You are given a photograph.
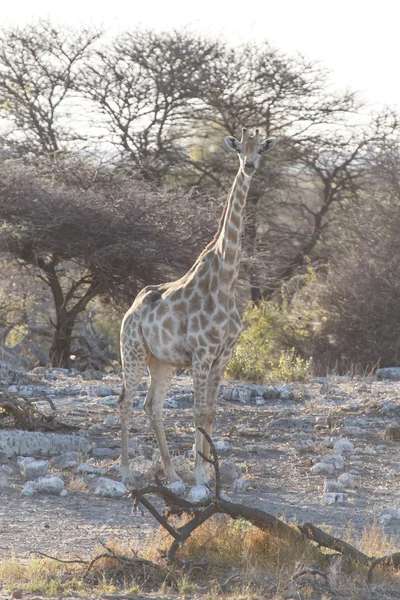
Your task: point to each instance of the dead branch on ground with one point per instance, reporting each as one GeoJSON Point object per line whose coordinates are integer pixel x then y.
{"type": "Point", "coordinates": [202, 511]}
{"type": "Point", "coordinates": [25, 413]}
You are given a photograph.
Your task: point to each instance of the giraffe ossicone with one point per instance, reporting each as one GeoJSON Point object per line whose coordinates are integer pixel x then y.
{"type": "Point", "coordinates": [190, 322]}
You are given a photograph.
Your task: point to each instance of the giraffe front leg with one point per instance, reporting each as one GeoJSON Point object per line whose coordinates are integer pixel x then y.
{"type": "Point", "coordinates": [201, 371]}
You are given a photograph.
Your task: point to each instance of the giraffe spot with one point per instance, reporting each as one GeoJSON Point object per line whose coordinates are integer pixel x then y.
{"type": "Point", "coordinates": [233, 235]}
{"type": "Point", "coordinates": [165, 337]}
{"type": "Point", "coordinates": [209, 305]}
{"type": "Point", "coordinates": [201, 341]}
{"type": "Point", "coordinates": [146, 330]}
{"type": "Point", "coordinates": [235, 220]}
{"type": "Point", "coordinates": [214, 284]}
{"type": "Point", "coordinates": [223, 297]}
{"type": "Point", "coordinates": [204, 284]}
{"type": "Point", "coordinates": [192, 340]}
{"type": "Point", "coordinates": [195, 303]}
{"type": "Point", "coordinates": [162, 310]}
{"type": "Point", "coordinates": [204, 320]}
{"type": "Point", "coordinates": [230, 255]}
{"type": "Point", "coordinates": [188, 291]}
{"type": "Point", "coordinates": [150, 318]}
{"type": "Point", "coordinates": [214, 334]}
{"type": "Point", "coordinates": [194, 324]}
{"type": "Point", "coordinates": [240, 196]}
{"type": "Point", "coordinates": [215, 262]}
{"type": "Point", "coordinates": [156, 336]}
{"type": "Point", "coordinates": [180, 307]}
{"type": "Point", "coordinates": [220, 317]}
{"type": "Point", "coordinates": [168, 324]}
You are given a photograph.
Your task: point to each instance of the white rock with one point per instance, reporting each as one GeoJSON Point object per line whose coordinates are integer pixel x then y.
{"type": "Point", "coordinates": [31, 468]}
{"type": "Point", "coordinates": [392, 373]}
{"type": "Point", "coordinates": [334, 459]}
{"type": "Point", "coordinates": [108, 488]}
{"type": "Point", "coordinates": [101, 391]}
{"type": "Point", "coordinates": [66, 460]}
{"type": "Point", "coordinates": [177, 487]}
{"type": "Point", "coordinates": [369, 450]}
{"type": "Point", "coordinates": [7, 469]}
{"type": "Point", "coordinates": [240, 485]}
{"type": "Point", "coordinates": [222, 446]}
{"type": "Point", "coordinates": [199, 493]}
{"type": "Point", "coordinates": [334, 498]}
{"type": "Point", "coordinates": [28, 489]}
{"type": "Point", "coordinates": [304, 445]}
{"type": "Point", "coordinates": [385, 519]}
{"type": "Point", "coordinates": [333, 486]}
{"type": "Point", "coordinates": [229, 471]}
{"type": "Point", "coordinates": [343, 445]}
{"type": "Point", "coordinates": [49, 485]}
{"type": "Point", "coordinates": [322, 469]}
{"type": "Point", "coordinates": [255, 448]}
{"type": "Point", "coordinates": [35, 443]}
{"type": "Point", "coordinates": [260, 401]}
{"type": "Point", "coordinates": [347, 479]}
{"type": "Point", "coordinates": [110, 400]}
{"type": "Point", "coordinates": [90, 469]}
{"type": "Point", "coordinates": [63, 493]}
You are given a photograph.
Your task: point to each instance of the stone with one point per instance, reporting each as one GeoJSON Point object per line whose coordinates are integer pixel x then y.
{"type": "Point", "coordinates": [97, 429]}
{"type": "Point", "coordinates": [66, 460]}
{"type": "Point", "coordinates": [146, 450]}
{"type": "Point", "coordinates": [369, 450]}
{"type": "Point", "coordinates": [334, 459]}
{"type": "Point", "coordinates": [392, 373]}
{"type": "Point", "coordinates": [63, 493]}
{"type": "Point", "coordinates": [28, 489]}
{"type": "Point", "coordinates": [334, 498]}
{"type": "Point", "coordinates": [31, 468]}
{"type": "Point", "coordinates": [101, 391]}
{"type": "Point", "coordinates": [333, 486]}
{"type": "Point", "coordinates": [90, 469]}
{"type": "Point", "coordinates": [240, 485]}
{"type": "Point", "coordinates": [199, 493]}
{"type": "Point", "coordinates": [111, 421]}
{"type": "Point", "coordinates": [51, 484]}
{"type": "Point", "coordinates": [229, 471]}
{"type": "Point", "coordinates": [242, 395]}
{"type": "Point", "coordinates": [260, 401]}
{"type": "Point", "coordinates": [17, 594]}
{"type": "Point", "coordinates": [322, 469]}
{"type": "Point", "coordinates": [347, 479]}
{"type": "Point", "coordinates": [177, 487]}
{"type": "Point", "coordinates": [222, 446]}
{"type": "Point", "coordinates": [110, 401]}
{"type": "Point", "coordinates": [343, 445]}
{"type": "Point", "coordinates": [35, 443]}
{"type": "Point", "coordinates": [385, 519]}
{"type": "Point", "coordinates": [352, 430]}
{"type": "Point", "coordinates": [92, 375]}
{"type": "Point", "coordinates": [393, 432]}
{"type": "Point", "coordinates": [171, 403]}
{"type": "Point", "coordinates": [109, 488]}
{"type": "Point", "coordinates": [105, 452]}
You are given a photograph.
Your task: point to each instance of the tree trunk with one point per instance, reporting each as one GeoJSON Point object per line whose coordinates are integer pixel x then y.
{"type": "Point", "coordinates": [61, 347]}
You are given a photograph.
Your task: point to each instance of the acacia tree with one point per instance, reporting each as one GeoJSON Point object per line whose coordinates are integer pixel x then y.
{"type": "Point", "coordinates": [147, 85]}
{"type": "Point", "coordinates": [39, 66]}
{"type": "Point", "coordinates": [83, 244]}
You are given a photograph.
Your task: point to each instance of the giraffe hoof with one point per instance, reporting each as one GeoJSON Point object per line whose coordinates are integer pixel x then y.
{"type": "Point", "coordinates": [199, 493]}
{"type": "Point", "coordinates": [177, 487]}
{"type": "Point", "coordinates": [126, 475]}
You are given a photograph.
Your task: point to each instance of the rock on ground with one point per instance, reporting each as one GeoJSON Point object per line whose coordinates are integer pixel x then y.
{"type": "Point", "coordinates": [109, 488]}
{"type": "Point", "coordinates": [31, 468]}
{"type": "Point", "coordinates": [14, 442]}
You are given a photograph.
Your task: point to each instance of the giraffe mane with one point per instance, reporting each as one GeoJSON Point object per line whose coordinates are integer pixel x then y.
{"type": "Point", "coordinates": [220, 225]}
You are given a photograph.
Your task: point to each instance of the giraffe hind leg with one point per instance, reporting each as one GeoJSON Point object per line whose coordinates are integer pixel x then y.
{"type": "Point", "coordinates": [160, 374]}
{"type": "Point", "coordinates": [133, 367]}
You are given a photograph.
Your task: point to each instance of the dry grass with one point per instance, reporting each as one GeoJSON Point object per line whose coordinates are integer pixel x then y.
{"type": "Point", "coordinates": [78, 484]}
{"type": "Point", "coordinates": [224, 559]}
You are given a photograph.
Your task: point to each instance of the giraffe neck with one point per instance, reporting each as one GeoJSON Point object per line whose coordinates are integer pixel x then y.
{"type": "Point", "coordinates": [229, 242]}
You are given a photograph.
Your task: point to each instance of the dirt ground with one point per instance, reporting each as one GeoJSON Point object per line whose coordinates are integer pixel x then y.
{"type": "Point", "coordinates": [281, 481]}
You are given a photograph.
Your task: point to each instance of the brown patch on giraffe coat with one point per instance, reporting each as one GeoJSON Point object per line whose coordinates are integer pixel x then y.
{"type": "Point", "coordinates": [182, 328]}
{"type": "Point", "coordinates": [150, 318]}
{"type": "Point", "coordinates": [195, 303]}
{"type": "Point", "coordinates": [209, 305]}
{"type": "Point", "coordinates": [188, 291]}
{"type": "Point", "coordinates": [214, 284]}
{"type": "Point", "coordinates": [162, 310]}
{"type": "Point", "coordinates": [168, 324]}
{"type": "Point", "coordinates": [220, 317]}
{"type": "Point", "coordinates": [215, 262]}
{"type": "Point", "coordinates": [204, 320]}
{"type": "Point", "coordinates": [165, 337]}
{"type": "Point", "coordinates": [235, 220]}
{"type": "Point", "coordinates": [201, 341]}
{"type": "Point", "coordinates": [241, 196]}
{"type": "Point", "coordinates": [194, 323]}
{"type": "Point", "coordinates": [192, 340]}
{"type": "Point", "coordinates": [180, 307]}
{"type": "Point", "coordinates": [230, 256]}
{"type": "Point", "coordinates": [223, 297]}
{"type": "Point", "coordinates": [233, 235]}
{"type": "Point", "coordinates": [213, 334]}
{"type": "Point", "coordinates": [204, 284]}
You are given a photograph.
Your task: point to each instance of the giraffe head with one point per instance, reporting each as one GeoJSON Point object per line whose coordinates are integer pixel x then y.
{"type": "Point", "coordinates": [249, 150]}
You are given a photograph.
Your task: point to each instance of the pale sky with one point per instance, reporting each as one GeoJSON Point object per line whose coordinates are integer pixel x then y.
{"type": "Point", "coordinates": [357, 40]}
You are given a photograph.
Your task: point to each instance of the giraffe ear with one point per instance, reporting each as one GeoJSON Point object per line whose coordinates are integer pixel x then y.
{"type": "Point", "coordinates": [268, 145]}
{"type": "Point", "coordinates": [231, 142]}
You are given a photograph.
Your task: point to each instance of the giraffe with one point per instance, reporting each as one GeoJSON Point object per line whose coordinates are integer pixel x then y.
{"type": "Point", "coordinates": [190, 322]}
